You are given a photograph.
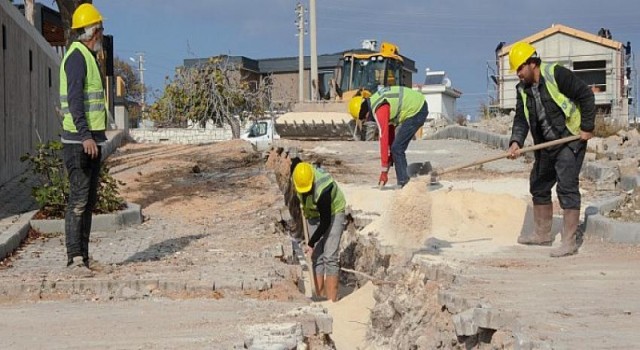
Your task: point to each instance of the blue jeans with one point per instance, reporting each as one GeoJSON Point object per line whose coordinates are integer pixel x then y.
{"type": "Point", "coordinates": [404, 134]}
{"type": "Point", "coordinates": [84, 176]}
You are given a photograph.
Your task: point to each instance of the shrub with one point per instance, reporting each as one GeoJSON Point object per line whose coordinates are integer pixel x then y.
{"type": "Point", "coordinates": [52, 193]}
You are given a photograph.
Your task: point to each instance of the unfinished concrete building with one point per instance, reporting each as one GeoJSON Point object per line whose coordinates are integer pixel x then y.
{"type": "Point", "coordinates": [604, 64]}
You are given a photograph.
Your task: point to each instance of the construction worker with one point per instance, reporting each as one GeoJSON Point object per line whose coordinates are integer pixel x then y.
{"type": "Point", "coordinates": [552, 103]}
{"type": "Point", "coordinates": [323, 206]}
{"type": "Point", "coordinates": [84, 123]}
{"type": "Point", "coordinates": [399, 112]}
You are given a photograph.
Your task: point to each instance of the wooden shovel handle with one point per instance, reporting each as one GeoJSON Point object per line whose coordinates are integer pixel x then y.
{"type": "Point", "coordinates": [505, 155]}
{"type": "Point", "coordinates": [306, 257]}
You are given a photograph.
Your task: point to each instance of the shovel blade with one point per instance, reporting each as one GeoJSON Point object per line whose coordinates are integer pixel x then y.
{"type": "Point", "coordinates": [416, 169]}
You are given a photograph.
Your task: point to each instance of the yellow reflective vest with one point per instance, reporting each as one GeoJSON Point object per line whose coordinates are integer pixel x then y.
{"type": "Point", "coordinates": [569, 108]}
{"type": "Point", "coordinates": [322, 180]}
{"type": "Point", "coordinates": [94, 101]}
{"type": "Point", "coordinates": [404, 102]}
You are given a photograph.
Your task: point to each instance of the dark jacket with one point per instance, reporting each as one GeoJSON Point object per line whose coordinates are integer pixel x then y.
{"type": "Point", "coordinates": [569, 85]}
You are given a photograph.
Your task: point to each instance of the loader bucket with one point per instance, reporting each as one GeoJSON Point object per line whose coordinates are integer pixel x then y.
{"type": "Point", "coordinates": [316, 131]}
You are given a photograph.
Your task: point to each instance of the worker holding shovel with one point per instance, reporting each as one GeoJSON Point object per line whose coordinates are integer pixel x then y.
{"type": "Point", "coordinates": [323, 206]}
{"type": "Point", "coordinates": [552, 103]}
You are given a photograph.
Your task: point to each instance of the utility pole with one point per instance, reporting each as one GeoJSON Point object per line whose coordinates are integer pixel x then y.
{"type": "Point", "coordinates": [141, 71]}
{"type": "Point", "coordinates": [300, 23]}
{"type": "Point", "coordinates": [314, 51]}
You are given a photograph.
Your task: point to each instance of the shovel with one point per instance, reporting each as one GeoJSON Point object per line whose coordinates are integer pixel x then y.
{"type": "Point", "coordinates": [314, 290]}
{"type": "Point", "coordinates": [435, 173]}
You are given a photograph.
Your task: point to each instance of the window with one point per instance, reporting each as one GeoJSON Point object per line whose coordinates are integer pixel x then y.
{"type": "Point", "coordinates": [593, 73]}
{"type": "Point", "coordinates": [258, 129]}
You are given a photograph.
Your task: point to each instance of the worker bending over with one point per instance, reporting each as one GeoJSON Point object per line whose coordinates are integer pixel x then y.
{"type": "Point", "coordinates": [323, 206]}
{"type": "Point", "coordinates": [399, 112]}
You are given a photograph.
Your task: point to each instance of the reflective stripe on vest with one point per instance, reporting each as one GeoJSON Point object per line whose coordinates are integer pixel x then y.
{"type": "Point", "coordinates": [94, 97]}
{"type": "Point", "coordinates": [569, 109]}
{"type": "Point", "coordinates": [404, 102]}
{"type": "Point", "coordinates": [322, 180]}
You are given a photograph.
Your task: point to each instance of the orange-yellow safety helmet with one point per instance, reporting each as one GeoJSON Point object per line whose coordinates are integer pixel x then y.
{"type": "Point", "coordinates": [84, 16]}
{"type": "Point", "coordinates": [354, 106]}
{"type": "Point", "coordinates": [519, 54]}
{"type": "Point", "coordinates": [303, 176]}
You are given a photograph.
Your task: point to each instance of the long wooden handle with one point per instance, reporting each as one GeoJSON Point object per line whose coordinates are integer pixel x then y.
{"type": "Point", "coordinates": [505, 155]}
{"type": "Point", "coordinates": [306, 257]}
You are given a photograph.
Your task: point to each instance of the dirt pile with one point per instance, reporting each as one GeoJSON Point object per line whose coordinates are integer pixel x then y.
{"type": "Point", "coordinates": [411, 214]}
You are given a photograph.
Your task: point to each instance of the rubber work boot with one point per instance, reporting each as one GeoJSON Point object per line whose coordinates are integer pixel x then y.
{"type": "Point", "coordinates": [569, 246]}
{"type": "Point", "coordinates": [96, 266]}
{"type": "Point", "coordinates": [331, 287]}
{"type": "Point", "coordinates": [542, 219]}
{"type": "Point", "coordinates": [77, 268]}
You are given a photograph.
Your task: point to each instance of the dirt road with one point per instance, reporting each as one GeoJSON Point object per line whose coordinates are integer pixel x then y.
{"type": "Point", "coordinates": [207, 263]}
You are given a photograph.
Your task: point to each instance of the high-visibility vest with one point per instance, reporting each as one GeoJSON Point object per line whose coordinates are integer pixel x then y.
{"type": "Point", "coordinates": [569, 108]}
{"type": "Point", "coordinates": [94, 102]}
{"type": "Point", "coordinates": [322, 180]}
{"type": "Point", "coordinates": [404, 102]}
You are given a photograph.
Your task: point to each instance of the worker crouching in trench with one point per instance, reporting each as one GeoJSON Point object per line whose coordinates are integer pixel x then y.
{"type": "Point", "coordinates": [323, 207]}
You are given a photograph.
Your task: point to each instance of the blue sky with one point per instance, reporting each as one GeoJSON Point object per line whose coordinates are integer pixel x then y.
{"type": "Point", "coordinates": [456, 36]}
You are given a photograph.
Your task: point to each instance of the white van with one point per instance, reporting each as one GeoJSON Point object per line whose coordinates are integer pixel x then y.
{"type": "Point", "coordinates": [261, 134]}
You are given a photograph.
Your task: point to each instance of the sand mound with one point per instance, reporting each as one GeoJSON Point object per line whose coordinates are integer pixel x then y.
{"type": "Point", "coordinates": [351, 317]}
{"type": "Point", "coordinates": [460, 220]}
{"type": "Point", "coordinates": [405, 220]}
{"type": "Point", "coordinates": [470, 216]}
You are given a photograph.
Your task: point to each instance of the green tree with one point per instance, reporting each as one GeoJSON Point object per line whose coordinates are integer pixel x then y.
{"type": "Point", "coordinates": [217, 91]}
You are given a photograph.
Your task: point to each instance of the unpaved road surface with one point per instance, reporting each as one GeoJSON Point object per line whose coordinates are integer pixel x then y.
{"type": "Point", "coordinates": [206, 263]}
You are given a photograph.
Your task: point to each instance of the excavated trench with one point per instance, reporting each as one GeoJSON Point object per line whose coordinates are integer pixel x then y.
{"type": "Point", "coordinates": [399, 249]}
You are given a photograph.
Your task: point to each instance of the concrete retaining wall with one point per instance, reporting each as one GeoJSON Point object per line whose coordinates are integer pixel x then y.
{"type": "Point", "coordinates": [466, 133]}
{"type": "Point", "coordinates": [29, 91]}
{"type": "Point", "coordinates": [181, 136]}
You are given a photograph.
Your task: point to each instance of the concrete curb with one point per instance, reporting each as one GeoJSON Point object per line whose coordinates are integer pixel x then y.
{"type": "Point", "coordinates": [126, 288]}
{"type": "Point", "coordinates": [609, 230]}
{"type": "Point", "coordinates": [132, 215]}
{"type": "Point", "coordinates": [467, 133]}
{"type": "Point", "coordinates": [11, 238]}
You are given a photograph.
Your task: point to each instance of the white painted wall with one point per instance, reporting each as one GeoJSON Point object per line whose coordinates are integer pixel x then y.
{"type": "Point", "coordinates": [441, 103]}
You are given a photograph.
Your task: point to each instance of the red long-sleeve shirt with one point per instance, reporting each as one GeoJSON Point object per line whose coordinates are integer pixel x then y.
{"type": "Point", "coordinates": [387, 134]}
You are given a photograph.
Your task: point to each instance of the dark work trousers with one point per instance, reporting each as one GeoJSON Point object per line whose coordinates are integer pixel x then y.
{"type": "Point", "coordinates": [404, 134]}
{"type": "Point", "coordinates": [84, 175]}
{"type": "Point", "coordinates": [559, 165]}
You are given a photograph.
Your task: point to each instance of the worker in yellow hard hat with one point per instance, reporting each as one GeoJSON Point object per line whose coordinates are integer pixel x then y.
{"type": "Point", "coordinates": [399, 112]}
{"type": "Point", "coordinates": [323, 206]}
{"type": "Point", "coordinates": [82, 100]}
{"type": "Point", "coordinates": [552, 103]}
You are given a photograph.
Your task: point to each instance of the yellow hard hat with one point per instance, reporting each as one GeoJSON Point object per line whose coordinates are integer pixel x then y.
{"type": "Point", "coordinates": [303, 177]}
{"type": "Point", "coordinates": [84, 16]}
{"type": "Point", "coordinates": [354, 106]}
{"type": "Point", "coordinates": [519, 54]}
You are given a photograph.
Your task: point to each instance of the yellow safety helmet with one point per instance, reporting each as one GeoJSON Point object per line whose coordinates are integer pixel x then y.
{"type": "Point", "coordinates": [519, 54]}
{"type": "Point", "coordinates": [303, 177]}
{"type": "Point", "coordinates": [354, 106]}
{"type": "Point", "coordinates": [84, 16]}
